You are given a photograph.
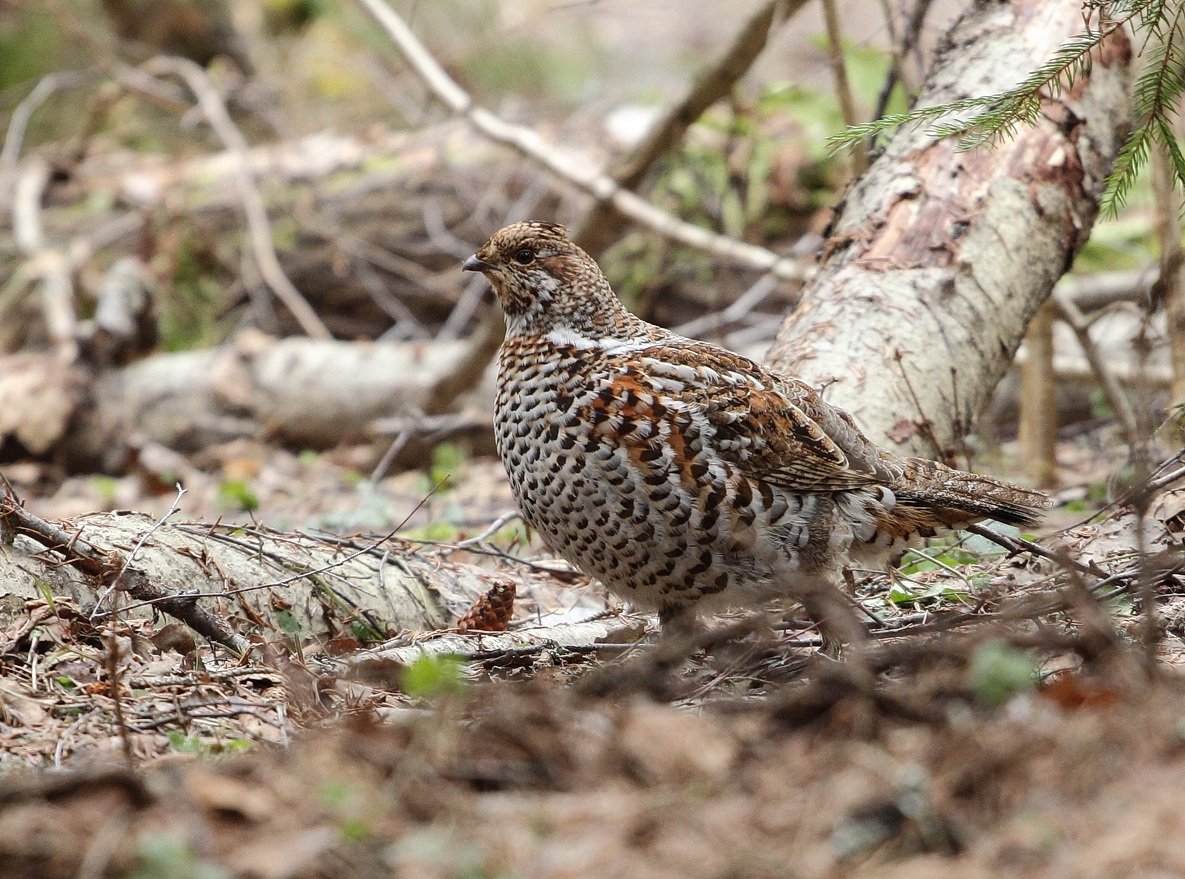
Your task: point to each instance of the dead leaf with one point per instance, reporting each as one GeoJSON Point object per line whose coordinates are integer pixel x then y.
{"type": "Point", "coordinates": [38, 397]}
{"type": "Point", "coordinates": [230, 796]}
{"type": "Point", "coordinates": [278, 857]}
{"type": "Point", "coordinates": [902, 430]}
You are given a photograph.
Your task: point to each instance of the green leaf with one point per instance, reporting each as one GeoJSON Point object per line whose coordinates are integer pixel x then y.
{"type": "Point", "coordinates": [238, 494]}
{"type": "Point", "coordinates": [999, 671]}
{"type": "Point", "coordinates": [288, 622]}
{"type": "Point", "coordinates": [431, 676]}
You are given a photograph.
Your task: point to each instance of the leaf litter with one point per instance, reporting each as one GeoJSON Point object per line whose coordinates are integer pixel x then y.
{"type": "Point", "coordinates": [1006, 723]}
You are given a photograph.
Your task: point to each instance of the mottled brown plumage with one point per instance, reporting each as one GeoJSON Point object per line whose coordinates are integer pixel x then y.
{"type": "Point", "coordinates": [686, 477]}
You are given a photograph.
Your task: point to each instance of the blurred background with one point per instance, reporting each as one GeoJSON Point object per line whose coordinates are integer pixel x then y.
{"type": "Point", "coordinates": [147, 286]}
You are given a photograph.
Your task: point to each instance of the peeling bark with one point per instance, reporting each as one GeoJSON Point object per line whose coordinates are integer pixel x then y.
{"type": "Point", "coordinates": [937, 258]}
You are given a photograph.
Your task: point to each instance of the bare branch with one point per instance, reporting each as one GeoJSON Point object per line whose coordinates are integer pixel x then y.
{"type": "Point", "coordinates": [175, 508]}
{"type": "Point", "coordinates": [262, 246]}
{"type": "Point", "coordinates": [601, 186]}
{"type": "Point", "coordinates": [603, 224]}
{"type": "Point", "coordinates": [843, 88]}
{"type": "Point", "coordinates": [46, 263]}
{"type": "Point", "coordinates": [1076, 320]}
{"type": "Point", "coordinates": [15, 135]}
{"type": "Point", "coordinates": [1094, 291]}
{"type": "Point", "coordinates": [105, 567]}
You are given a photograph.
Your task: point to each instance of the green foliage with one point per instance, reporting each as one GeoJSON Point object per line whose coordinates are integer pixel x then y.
{"type": "Point", "coordinates": [944, 554]}
{"type": "Point", "coordinates": [364, 632]}
{"type": "Point", "coordinates": [433, 851]}
{"type": "Point", "coordinates": [635, 263]}
{"type": "Point", "coordinates": [284, 15]}
{"type": "Point", "coordinates": [448, 460]}
{"type": "Point", "coordinates": [729, 174]}
{"type": "Point", "coordinates": [237, 494]}
{"type": "Point", "coordinates": [436, 532]}
{"type": "Point", "coordinates": [288, 623]}
{"type": "Point", "coordinates": [515, 534]}
{"type": "Point", "coordinates": [1126, 242]}
{"type": "Point", "coordinates": [1176, 415]}
{"type": "Point", "coordinates": [431, 676]}
{"type": "Point", "coordinates": [26, 48]}
{"type": "Point", "coordinates": [341, 798]}
{"type": "Point", "coordinates": [999, 671]}
{"type": "Point", "coordinates": [952, 556]}
{"type": "Point", "coordinates": [105, 487]}
{"type": "Point", "coordinates": [285, 233]}
{"type": "Point", "coordinates": [939, 593]}
{"type": "Point", "coordinates": [983, 121]}
{"type": "Point", "coordinates": [189, 313]}
{"type": "Point", "coordinates": [46, 592]}
{"type": "Point", "coordinates": [337, 794]}
{"type": "Point", "coordinates": [522, 64]}
{"type": "Point", "coordinates": [1157, 93]}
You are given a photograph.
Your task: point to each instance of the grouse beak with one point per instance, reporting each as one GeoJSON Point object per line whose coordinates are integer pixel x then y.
{"type": "Point", "coordinates": [473, 264]}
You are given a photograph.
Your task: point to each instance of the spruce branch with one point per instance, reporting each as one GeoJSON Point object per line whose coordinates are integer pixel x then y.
{"type": "Point", "coordinates": [986, 120]}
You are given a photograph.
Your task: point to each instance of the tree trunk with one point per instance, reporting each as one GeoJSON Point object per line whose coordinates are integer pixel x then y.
{"type": "Point", "coordinates": [938, 259]}
{"type": "Point", "coordinates": [1038, 402]}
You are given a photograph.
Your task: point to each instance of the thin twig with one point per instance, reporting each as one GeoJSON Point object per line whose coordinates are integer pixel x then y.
{"type": "Point", "coordinates": [603, 225]}
{"type": "Point", "coordinates": [114, 682]}
{"type": "Point", "coordinates": [1097, 290]}
{"type": "Point", "coordinates": [262, 241]}
{"type": "Point", "coordinates": [1016, 545]}
{"type": "Point", "coordinates": [901, 51]}
{"type": "Point", "coordinates": [1076, 320]}
{"type": "Point", "coordinates": [923, 423]}
{"type": "Point", "coordinates": [115, 583]}
{"type": "Point", "coordinates": [309, 572]}
{"type": "Point", "coordinates": [843, 88]}
{"type": "Point", "coordinates": [1166, 479]}
{"type": "Point", "coordinates": [745, 303]}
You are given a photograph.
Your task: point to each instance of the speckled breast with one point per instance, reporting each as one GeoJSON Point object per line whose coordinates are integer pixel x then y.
{"type": "Point", "coordinates": [625, 489]}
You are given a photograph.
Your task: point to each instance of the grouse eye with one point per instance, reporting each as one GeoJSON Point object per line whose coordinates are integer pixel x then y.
{"type": "Point", "coordinates": [525, 257]}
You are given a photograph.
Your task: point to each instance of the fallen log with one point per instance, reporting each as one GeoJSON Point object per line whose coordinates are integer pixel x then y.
{"type": "Point", "coordinates": [229, 582]}
{"type": "Point", "coordinates": [300, 392]}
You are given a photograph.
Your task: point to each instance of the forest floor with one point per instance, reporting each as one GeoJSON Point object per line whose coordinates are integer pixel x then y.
{"type": "Point", "coordinates": [1024, 742]}
{"type": "Point", "coordinates": [1038, 745]}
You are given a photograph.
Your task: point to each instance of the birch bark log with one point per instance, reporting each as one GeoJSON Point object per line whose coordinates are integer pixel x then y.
{"type": "Point", "coordinates": [937, 259]}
